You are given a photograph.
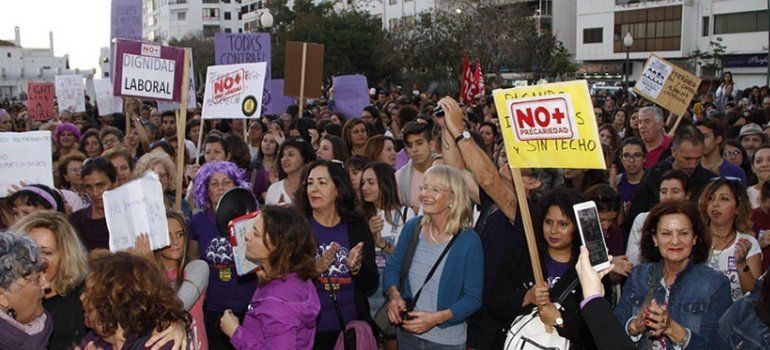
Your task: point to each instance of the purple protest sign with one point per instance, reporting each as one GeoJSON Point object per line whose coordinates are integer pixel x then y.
{"type": "Point", "coordinates": [277, 101]}
{"type": "Point", "coordinates": [236, 48]}
{"type": "Point", "coordinates": [126, 19]}
{"type": "Point", "coordinates": [351, 95]}
{"type": "Point", "coordinates": [148, 70]}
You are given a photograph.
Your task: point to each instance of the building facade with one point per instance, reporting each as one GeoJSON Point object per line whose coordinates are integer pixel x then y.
{"type": "Point", "coordinates": [675, 30]}
{"type": "Point", "coordinates": [175, 19]}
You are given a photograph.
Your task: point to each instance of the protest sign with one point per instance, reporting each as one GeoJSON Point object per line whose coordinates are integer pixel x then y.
{"type": "Point", "coordinates": [70, 93]}
{"type": "Point", "coordinates": [126, 19]}
{"type": "Point", "coordinates": [667, 85]}
{"type": "Point", "coordinates": [191, 97]}
{"type": "Point", "coordinates": [304, 67]}
{"type": "Point", "coordinates": [351, 95]}
{"type": "Point", "coordinates": [239, 228]}
{"type": "Point", "coordinates": [18, 163]}
{"type": "Point", "coordinates": [550, 126]}
{"type": "Point", "coordinates": [105, 101]}
{"type": "Point", "coordinates": [40, 100]}
{"type": "Point", "coordinates": [235, 48]}
{"type": "Point", "coordinates": [278, 102]}
{"type": "Point", "coordinates": [234, 91]}
{"type": "Point", "coordinates": [148, 70]}
{"type": "Point", "coordinates": [134, 208]}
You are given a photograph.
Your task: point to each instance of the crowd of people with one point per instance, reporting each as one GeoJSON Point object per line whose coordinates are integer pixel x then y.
{"type": "Point", "coordinates": [398, 228]}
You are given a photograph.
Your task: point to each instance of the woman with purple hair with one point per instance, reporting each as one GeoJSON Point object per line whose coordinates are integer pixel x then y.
{"type": "Point", "coordinates": [66, 136]}
{"type": "Point", "coordinates": [226, 290]}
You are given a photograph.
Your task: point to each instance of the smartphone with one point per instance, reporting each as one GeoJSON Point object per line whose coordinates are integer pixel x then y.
{"type": "Point", "coordinates": [590, 228]}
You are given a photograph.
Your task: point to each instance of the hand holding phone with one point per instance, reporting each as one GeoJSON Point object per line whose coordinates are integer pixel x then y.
{"type": "Point", "coordinates": [591, 234]}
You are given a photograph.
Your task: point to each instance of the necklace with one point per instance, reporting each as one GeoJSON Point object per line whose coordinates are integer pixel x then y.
{"type": "Point", "coordinates": [430, 232]}
{"type": "Point", "coordinates": [714, 261]}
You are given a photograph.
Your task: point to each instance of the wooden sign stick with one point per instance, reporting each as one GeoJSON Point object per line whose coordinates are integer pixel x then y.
{"type": "Point", "coordinates": [529, 231]}
{"type": "Point", "coordinates": [201, 131]}
{"type": "Point", "coordinates": [676, 125]}
{"type": "Point", "coordinates": [180, 130]}
{"type": "Point", "coordinates": [302, 80]}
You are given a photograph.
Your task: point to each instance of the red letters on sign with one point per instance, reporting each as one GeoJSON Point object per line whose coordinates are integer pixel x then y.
{"type": "Point", "coordinates": [543, 119]}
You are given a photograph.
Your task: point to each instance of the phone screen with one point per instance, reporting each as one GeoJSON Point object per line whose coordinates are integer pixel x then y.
{"type": "Point", "coordinates": [591, 229]}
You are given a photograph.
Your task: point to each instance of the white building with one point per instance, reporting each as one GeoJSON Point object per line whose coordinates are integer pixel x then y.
{"type": "Point", "coordinates": [175, 19]}
{"type": "Point", "coordinates": [673, 29]}
{"type": "Point", "coordinates": [20, 65]}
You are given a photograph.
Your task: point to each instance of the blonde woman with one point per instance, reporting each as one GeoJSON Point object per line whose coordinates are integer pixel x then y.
{"type": "Point", "coordinates": [432, 309]}
{"type": "Point", "coordinates": [163, 166]}
{"type": "Point", "coordinates": [67, 266]}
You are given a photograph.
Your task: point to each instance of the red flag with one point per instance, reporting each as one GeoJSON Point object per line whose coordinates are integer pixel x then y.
{"type": "Point", "coordinates": [479, 80]}
{"type": "Point", "coordinates": [467, 81]}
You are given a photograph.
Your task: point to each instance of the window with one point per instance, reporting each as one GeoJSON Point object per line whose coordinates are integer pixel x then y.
{"type": "Point", "coordinates": [240, 30]}
{"type": "Point", "coordinates": [181, 16]}
{"type": "Point", "coordinates": [706, 24]}
{"type": "Point", "coordinates": [392, 2]}
{"type": "Point", "coordinates": [592, 35]}
{"type": "Point", "coordinates": [210, 14]}
{"type": "Point", "coordinates": [210, 1]}
{"type": "Point", "coordinates": [227, 15]}
{"type": "Point", "coordinates": [741, 22]}
{"type": "Point", "coordinates": [653, 29]}
{"type": "Point", "coordinates": [209, 31]}
{"type": "Point", "coordinates": [228, 30]}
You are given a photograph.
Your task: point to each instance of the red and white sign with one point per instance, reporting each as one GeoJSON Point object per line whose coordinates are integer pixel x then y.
{"type": "Point", "coordinates": [150, 50]}
{"type": "Point", "coordinates": [228, 84]}
{"type": "Point", "coordinates": [234, 91]}
{"type": "Point", "coordinates": [545, 118]}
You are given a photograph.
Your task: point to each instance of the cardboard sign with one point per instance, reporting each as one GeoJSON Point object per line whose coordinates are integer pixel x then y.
{"type": "Point", "coordinates": [18, 163]}
{"type": "Point", "coordinates": [40, 104]}
{"type": "Point", "coordinates": [351, 95]}
{"type": "Point", "coordinates": [312, 67]}
{"type": "Point", "coordinates": [234, 91]}
{"type": "Point", "coordinates": [126, 19]}
{"type": "Point", "coordinates": [667, 85]}
{"type": "Point", "coordinates": [148, 70]}
{"type": "Point", "coordinates": [239, 228]}
{"type": "Point", "coordinates": [275, 101]}
{"type": "Point", "coordinates": [550, 126]}
{"type": "Point", "coordinates": [134, 208]}
{"type": "Point", "coordinates": [70, 93]}
{"type": "Point", "coordinates": [105, 101]}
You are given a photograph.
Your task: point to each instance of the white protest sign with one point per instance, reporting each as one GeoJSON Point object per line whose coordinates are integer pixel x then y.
{"type": "Point", "coordinates": [543, 118]}
{"type": "Point", "coordinates": [234, 91]}
{"type": "Point", "coordinates": [105, 101]}
{"type": "Point", "coordinates": [654, 77]}
{"type": "Point", "coordinates": [239, 228]}
{"type": "Point", "coordinates": [70, 93]}
{"type": "Point", "coordinates": [134, 208]}
{"type": "Point", "coordinates": [19, 163]}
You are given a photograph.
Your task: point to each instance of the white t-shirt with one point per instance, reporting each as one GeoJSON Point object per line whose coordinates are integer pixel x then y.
{"type": "Point", "coordinates": [634, 248]}
{"type": "Point", "coordinates": [724, 261]}
{"type": "Point", "coordinates": [274, 193]}
{"type": "Point", "coordinates": [390, 233]}
{"type": "Point", "coordinates": [753, 194]}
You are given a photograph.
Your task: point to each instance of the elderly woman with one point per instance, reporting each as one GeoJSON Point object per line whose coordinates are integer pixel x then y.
{"type": "Point", "coordinates": [285, 307]}
{"type": "Point", "coordinates": [66, 268]}
{"type": "Point", "coordinates": [346, 264]}
{"type": "Point", "coordinates": [70, 181]}
{"type": "Point", "coordinates": [674, 300]}
{"type": "Point", "coordinates": [127, 301]}
{"type": "Point", "coordinates": [90, 144]}
{"type": "Point", "coordinates": [446, 268]}
{"type": "Point", "coordinates": [226, 290]}
{"type": "Point", "coordinates": [162, 165]}
{"type": "Point", "coordinates": [66, 136]}
{"type": "Point", "coordinates": [23, 321]}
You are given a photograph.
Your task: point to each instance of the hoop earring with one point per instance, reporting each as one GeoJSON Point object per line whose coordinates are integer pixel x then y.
{"type": "Point", "coordinates": [12, 313]}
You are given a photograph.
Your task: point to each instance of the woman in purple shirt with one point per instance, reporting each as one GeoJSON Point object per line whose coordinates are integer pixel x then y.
{"type": "Point", "coordinates": [284, 309]}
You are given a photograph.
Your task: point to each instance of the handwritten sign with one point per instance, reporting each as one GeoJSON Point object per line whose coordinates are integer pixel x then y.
{"type": "Point", "coordinates": [148, 70]}
{"type": "Point", "coordinates": [234, 91]}
{"type": "Point", "coordinates": [17, 163]}
{"type": "Point", "coordinates": [126, 19]}
{"type": "Point", "coordinates": [105, 101]}
{"type": "Point", "coordinates": [70, 93]}
{"type": "Point", "coordinates": [40, 104]}
{"type": "Point", "coordinates": [239, 228]}
{"type": "Point", "coordinates": [351, 95]}
{"type": "Point", "coordinates": [667, 85]}
{"type": "Point", "coordinates": [550, 126]}
{"type": "Point", "coordinates": [134, 208]}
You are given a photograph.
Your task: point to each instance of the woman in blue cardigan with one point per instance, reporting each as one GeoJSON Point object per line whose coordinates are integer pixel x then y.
{"type": "Point", "coordinates": [432, 309]}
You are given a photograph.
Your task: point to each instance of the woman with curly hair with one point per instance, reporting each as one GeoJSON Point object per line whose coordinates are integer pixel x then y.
{"type": "Point", "coordinates": [226, 290]}
{"type": "Point", "coordinates": [284, 309]}
{"type": "Point", "coordinates": [127, 301]}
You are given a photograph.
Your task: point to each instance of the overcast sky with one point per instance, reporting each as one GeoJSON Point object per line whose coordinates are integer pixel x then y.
{"type": "Point", "coordinates": [80, 27]}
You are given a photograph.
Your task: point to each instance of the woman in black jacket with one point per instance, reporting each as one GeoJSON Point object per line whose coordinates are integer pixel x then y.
{"type": "Point", "coordinates": [346, 266]}
{"type": "Point", "coordinates": [558, 245]}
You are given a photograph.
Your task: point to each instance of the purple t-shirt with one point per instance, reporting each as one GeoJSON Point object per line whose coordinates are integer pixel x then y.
{"type": "Point", "coordinates": [554, 270]}
{"type": "Point", "coordinates": [627, 192]}
{"type": "Point", "coordinates": [337, 277]}
{"type": "Point", "coordinates": [728, 169]}
{"type": "Point", "coordinates": [93, 232]}
{"type": "Point", "coordinates": [226, 290]}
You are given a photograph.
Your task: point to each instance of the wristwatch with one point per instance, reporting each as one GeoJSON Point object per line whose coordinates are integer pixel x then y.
{"type": "Point", "coordinates": [465, 135]}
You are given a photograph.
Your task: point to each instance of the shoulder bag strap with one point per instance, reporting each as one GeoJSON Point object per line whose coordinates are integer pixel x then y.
{"type": "Point", "coordinates": [337, 308]}
{"type": "Point", "coordinates": [407, 263]}
{"type": "Point", "coordinates": [435, 265]}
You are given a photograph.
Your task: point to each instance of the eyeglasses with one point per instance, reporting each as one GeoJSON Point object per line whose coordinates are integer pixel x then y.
{"type": "Point", "coordinates": [727, 178]}
{"type": "Point", "coordinates": [632, 156]}
{"type": "Point", "coordinates": [731, 154]}
{"type": "Point", "coordinates": [435, 190]}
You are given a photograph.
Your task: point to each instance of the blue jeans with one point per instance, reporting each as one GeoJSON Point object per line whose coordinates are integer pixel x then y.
{"type": "Point", "coordinates": [409, 341]}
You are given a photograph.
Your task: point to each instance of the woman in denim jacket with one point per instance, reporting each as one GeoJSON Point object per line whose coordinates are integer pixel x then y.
{"type": "Point", "coordinates": [746, 324]}
{"type": "Point", "coordinates": [673, 300]}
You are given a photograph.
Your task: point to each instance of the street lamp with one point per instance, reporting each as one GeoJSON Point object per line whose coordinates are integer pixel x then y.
{"type": "Point", "coordinates": [628, 40]}
{"type": "Point", "coordinates": [266, 19]}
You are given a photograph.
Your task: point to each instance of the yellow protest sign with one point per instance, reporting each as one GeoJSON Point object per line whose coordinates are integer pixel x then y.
{"type": "Point", "coordinates": [550, 126]}
{"type": "Point", "coordinates": [667, 85]}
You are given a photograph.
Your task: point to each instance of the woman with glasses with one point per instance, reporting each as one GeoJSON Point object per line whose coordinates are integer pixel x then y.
{"type": "Point", "coordinates": [346, 266]}
{"type": "Point", "coordinates": [444, 281]}
{"type": "Point", "coordinates": [632, 158]}
{"type": "Point", "coordinates": [355, 135]}
{"type": "Point", "coordinates": [734, 252]}
{"type": "Point", "coordinates": [733, 152]}
{"type": "Point", "coordinates": [111, 137]}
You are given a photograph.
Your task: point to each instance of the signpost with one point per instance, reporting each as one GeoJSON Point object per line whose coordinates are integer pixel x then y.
{"type": "Point", "coordinates": [304, 68]}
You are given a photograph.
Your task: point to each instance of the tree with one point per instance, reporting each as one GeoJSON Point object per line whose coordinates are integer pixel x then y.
{"type": "Point", "coordinates": [710, 61]}
{"type": "Point", "coordinates": [202, 56]}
